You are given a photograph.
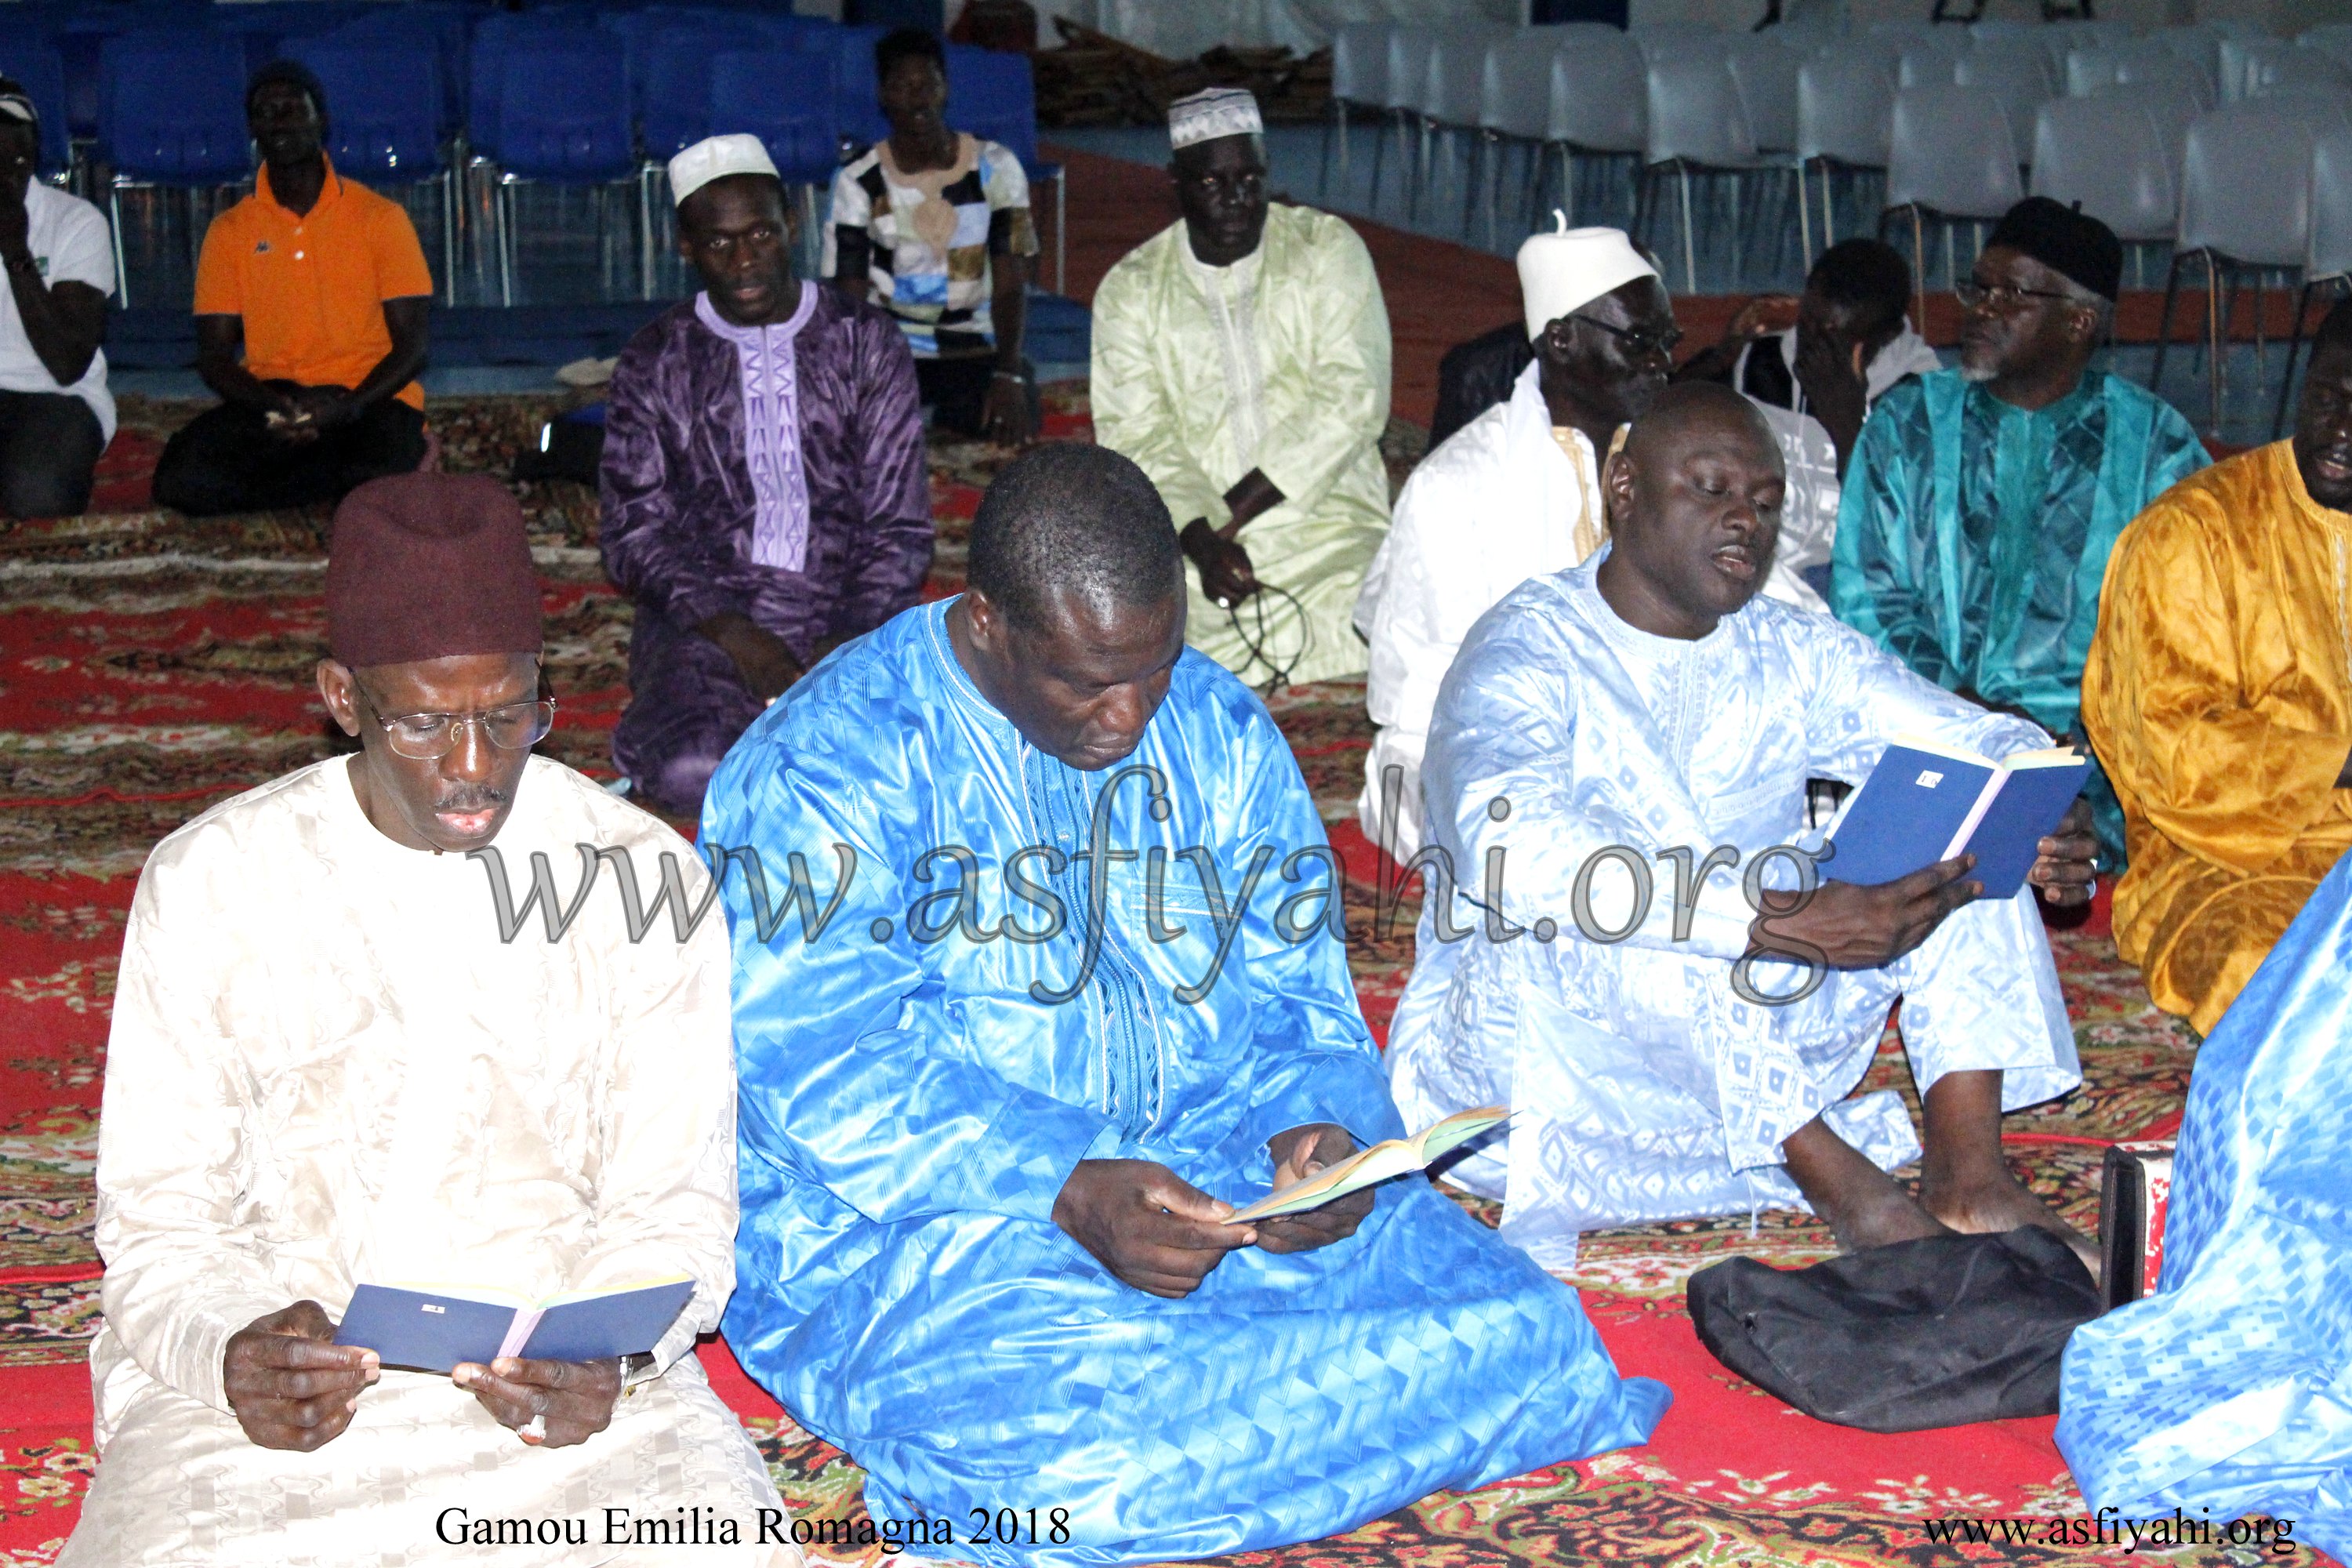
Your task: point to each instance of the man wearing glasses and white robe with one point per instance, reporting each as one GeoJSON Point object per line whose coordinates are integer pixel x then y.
{"type": "Point", "coordinates": [330, 1066]}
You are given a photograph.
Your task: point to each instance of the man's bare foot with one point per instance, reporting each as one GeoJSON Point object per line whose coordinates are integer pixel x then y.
{"type": "Point", "coordinates": [1878, 1219]}
{"type": "Point", "coordinates": [1987, 1203]}
{"type": "Point", "coordinates": [1862, 1205]}
{"type": "Point", "coordinates": [1965, 1183]}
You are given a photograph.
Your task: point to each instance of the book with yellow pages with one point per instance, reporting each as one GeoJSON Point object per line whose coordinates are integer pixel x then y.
{"type": "Point", "coordinates": [1366, 1167]}
{"type": "Point", "coordinates": [433, 1328]}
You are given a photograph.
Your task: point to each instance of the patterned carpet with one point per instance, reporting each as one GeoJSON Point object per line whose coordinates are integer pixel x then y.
{"type": "Point", "coordinates": [150, 666]}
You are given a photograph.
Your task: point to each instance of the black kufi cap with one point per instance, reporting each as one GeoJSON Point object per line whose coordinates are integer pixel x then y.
{"type": "Point", "coordinates": [2066, 240]}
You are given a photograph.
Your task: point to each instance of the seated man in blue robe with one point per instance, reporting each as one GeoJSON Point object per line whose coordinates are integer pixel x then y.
{"type": "Point", "coordinates": [2228, 1391]}
{"type": "Point", "coordinates": [1050, 979]}
{"type": "Point", "coordinates": [1648, 712]}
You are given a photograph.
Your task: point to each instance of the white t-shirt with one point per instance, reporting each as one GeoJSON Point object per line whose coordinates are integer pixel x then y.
{"type": "Point", "coordinates": [71, 241]}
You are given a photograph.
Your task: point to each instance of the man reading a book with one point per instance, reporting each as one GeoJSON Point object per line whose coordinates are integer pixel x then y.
{"type": "Point", "coordinates": [1037, 979]}
{"type": "Point", "coordinates": [1981, 503]}
{"type": "Point", "coordinates": [339, 1059]}
{"type": "Point", "coordinates": [1616, 783]}
{"type": "Point", "coordinates": [2217, 695]}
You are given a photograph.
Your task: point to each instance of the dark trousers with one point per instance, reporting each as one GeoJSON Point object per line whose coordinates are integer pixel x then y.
{"type": "Point", "coordinates": [953, 389]}
{"type": "Point", "coordinates": [227, 460]}
{"type": "Point", "coordinates": [49, 443]}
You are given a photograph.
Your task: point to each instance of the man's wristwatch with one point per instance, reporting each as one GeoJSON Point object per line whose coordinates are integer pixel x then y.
{"type": "Point", "coordinates": [637, 1371]}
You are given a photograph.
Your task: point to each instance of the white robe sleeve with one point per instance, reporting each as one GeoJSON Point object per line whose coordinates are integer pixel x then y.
{"type": "Point", "coordinates": [1860, 697]}
{"type": "Point", "coordinates": [182, 1273]}
{"type": "Point", "coordinates": [1322, 423]}
{"type": "Point", "coordinates": [1134, 414]}
{"type": "Point", "coordinates": [1426, 598]}
{"type": "Point", "coordinates": [664, 1200]}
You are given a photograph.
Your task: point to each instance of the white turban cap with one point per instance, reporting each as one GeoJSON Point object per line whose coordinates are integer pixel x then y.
{"type": "Point", "coordinates": [1211, 113]}
{"type": "Point", "coordinates": [1570, 268]}
{"type": "Point", "coordinates": [715, 158]}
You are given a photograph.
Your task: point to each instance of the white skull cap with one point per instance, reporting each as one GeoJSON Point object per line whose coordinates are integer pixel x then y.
{"type": "Point", "coordinates": [1570, 268]}
{"type": "Point", "coordinates": [1211, 113]}
{"type": "Point", "coordinates": [715, 158]}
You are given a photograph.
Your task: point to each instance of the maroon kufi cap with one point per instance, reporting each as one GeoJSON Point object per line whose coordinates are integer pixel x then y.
{"type": "Point", "coordinates": [428, 566]}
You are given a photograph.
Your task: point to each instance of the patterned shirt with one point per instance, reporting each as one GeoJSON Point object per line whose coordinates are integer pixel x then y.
{"type": "Point", "coordinates": [926, 239]}
{"type": "Point", "coordinates": [1973, 535]}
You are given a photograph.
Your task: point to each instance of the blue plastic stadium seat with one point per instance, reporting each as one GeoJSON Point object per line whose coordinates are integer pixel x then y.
{"type": "Point", "coordinates": [857, 95]}
{"type": "Point", "coordinates": [31, 61]}
{"type": "Point", "coordinates": [564, 112]}
{"type": "Point", "coordinates": [81, 31]}
{"type": "Point", "coordinates": [267, 32]}
{"type": "Point", "coordinates": [671, 70]}
{"type": "Point", "coordinates": [992, 95]}
{"type": "Point", "coordinates": [171, 108]}
{"type": "Point", "coordinates": [384, 106]}
{"type": "Point", "coordinates": [785, 98]}
{"type": "Point", "coordinates": [442, 26]}
{"type": "Point", "coordinates": [530, 35]}
{"type": "Point", "coordinates": [562, 98]}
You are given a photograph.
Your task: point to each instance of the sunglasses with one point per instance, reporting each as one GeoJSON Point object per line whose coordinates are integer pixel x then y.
{"type": "Point", "coordinates": [1640, 342]}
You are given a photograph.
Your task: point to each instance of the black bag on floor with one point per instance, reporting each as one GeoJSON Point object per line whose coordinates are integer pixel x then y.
{"type": "Point", "coordinates": [570, 446]}
{"type": "Point", "coordinates": [1935, 1333]}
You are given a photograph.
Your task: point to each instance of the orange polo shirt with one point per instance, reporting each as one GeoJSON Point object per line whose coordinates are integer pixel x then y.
{"type": "Point", "coordinates": [311, 288]}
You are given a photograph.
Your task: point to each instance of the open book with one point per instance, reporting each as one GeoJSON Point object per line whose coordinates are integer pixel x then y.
{"type": "Point", "coordinates": [432, 1328]}
{"type": "Point", "coordinates": [1391, 1157]}
{"type": "Point", "coordinates": [1926, 802]}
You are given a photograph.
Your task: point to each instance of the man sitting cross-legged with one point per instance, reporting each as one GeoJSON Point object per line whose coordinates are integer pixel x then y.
{"type": "Point", "coordinates": [1649, 706]}
{"type": "Point", "coordinates": [313, 306]}
{"type": "Point", "coordinates": [1078, 990]}
{"type": "Point", "coordinates": [328, 1067]}
{"type": "Point", "coordinates": [764, 490]}
{"type": "Point", "coordinates": [2220, 704]}
{"type": "Point", "coordinates": [1240, 357]}
{"type": "Point", "coordinates": [1981, 503]}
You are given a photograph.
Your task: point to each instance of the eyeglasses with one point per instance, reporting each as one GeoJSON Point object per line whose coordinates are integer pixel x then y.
{"type": "Point", "coordinates": [2001, 297]}
{"type": "Point", "coordinates": [428, 737]}
{"type": "Point", "coordinates": [1640, 343]}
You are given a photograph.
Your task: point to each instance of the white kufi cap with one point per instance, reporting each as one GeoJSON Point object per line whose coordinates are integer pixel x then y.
{"type": "Point", "coordinates": [1570, 268]}
{"type": "Point", "coordinates": [1211, 113]}
{"type": "Point", "coordinates": [715, 158]}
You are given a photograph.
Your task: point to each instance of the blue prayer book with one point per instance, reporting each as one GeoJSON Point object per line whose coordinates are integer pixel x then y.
{"type": "Point", "coordinates": [1924, 803]}
{"type": "Point", "coordinates": [434, 1329]}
